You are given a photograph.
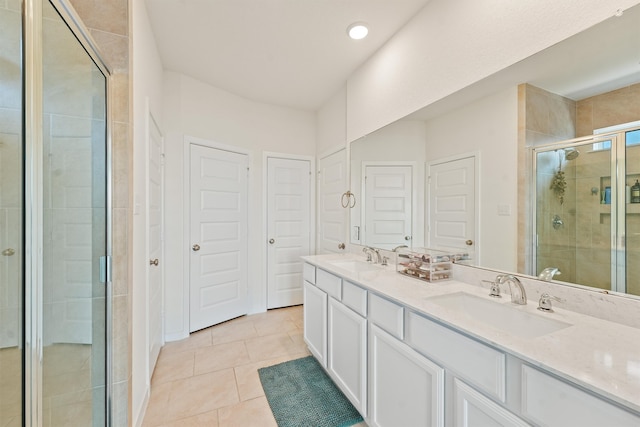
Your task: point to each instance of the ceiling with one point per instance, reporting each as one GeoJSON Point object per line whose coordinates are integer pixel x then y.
{"type": "Point", "coordinates": [292, 53]}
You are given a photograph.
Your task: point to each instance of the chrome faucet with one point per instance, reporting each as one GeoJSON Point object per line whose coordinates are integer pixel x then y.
{"type": "Point", "coordinates": [398, 247]}
{"type": "Point", "coordinates": [548, 273]}
{"type": "Point", "coordinates": [545, 302]}
{"type": "Point", "coordinates": [370, 253]}
{"type": "Point", "coordinates": [519, 297]}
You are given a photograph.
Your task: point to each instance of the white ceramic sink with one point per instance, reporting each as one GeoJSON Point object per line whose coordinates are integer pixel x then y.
{"type": "Point", "coordinates": [355, 266]}
{"type": "Point", "coordinates": [502, 316]}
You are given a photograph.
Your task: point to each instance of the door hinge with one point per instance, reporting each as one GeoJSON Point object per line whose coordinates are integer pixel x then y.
{"type": "Point", "coordinates": [105, 269]}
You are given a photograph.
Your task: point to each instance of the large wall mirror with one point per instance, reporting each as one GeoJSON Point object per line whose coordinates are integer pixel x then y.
{"type": "Point", "coordinates": [462, 171]}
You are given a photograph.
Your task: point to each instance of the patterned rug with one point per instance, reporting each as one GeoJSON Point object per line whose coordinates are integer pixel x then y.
{"type": "Point", "coordinates": [301, 393]}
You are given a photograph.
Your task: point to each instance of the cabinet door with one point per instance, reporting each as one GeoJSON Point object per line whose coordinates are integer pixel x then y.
{"type": "Point", "coordinates": [406, 389]}
{"type": "Point", "coordinates": [548, 401]}
{"type": "Point", "coordinates": [472, 409]}
{"type": "Point", "coordinates": [315, 322]}
{"type": "Point", "coordinates": [347, 357]}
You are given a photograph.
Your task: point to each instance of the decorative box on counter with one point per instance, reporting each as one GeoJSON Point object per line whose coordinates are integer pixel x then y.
{"type": "Point", "coordinates": [426, 264]}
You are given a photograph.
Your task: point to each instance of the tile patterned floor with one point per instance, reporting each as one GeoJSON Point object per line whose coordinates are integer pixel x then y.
{"type": "Point", "coordinates": [211, 378]}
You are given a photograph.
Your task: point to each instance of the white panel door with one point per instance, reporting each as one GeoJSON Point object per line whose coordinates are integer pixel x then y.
{"type": "Point", "coordinates": [452, 206]}
{"type": "Point", "coordinates": [333, 219]}
{"type": "Point", "coordinates": [155, 249]}
{"type": "Point", "coordinates": [218, 228]}
{"type": "Point", "coordinates": [288, 229]}
{"type": "Point", "coordinates": [387, 206]}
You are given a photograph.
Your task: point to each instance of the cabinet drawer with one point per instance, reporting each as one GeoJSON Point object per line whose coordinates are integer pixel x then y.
{"type": "Point", "coordinates": [329, 283]}
{"type": "Point", "coordinates": [387, 315]}
{"type": "Point", "coordinates": [474, 409]}
{"type": "Point", "coordinates": [309, 273]}
{"type": "Point", "coordinates": [549, 401]}
{"type": "Point", "coordinates": [477, 363]}
{"type": "Point", "coordinates": [355, 298]}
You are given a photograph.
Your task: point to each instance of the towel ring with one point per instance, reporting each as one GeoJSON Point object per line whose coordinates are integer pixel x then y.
{"type": "Point", "coordinates": [348, 200]}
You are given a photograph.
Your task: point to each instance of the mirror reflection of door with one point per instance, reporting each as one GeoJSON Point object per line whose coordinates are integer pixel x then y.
{"type": "Point", "coordinates": [452, 206]}
{"type": "Point", "coordinates": [388, 210]}
{"type": "Point", "coordinates": [333, 218]}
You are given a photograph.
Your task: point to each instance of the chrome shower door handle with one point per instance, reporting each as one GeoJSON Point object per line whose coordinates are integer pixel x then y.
{"type": "Point", "coordinates": [196, 247]}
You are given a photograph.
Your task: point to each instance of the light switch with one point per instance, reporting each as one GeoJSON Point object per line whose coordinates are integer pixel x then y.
{"type": "Point", "coordinates": [504, 209]}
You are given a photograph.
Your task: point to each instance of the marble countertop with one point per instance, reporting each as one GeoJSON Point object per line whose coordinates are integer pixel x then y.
{"type": "Point", "coordinates": [599, 355]}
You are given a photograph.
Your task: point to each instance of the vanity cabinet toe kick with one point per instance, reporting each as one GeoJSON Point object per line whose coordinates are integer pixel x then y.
{"type": "Point", "coordinates": [401, 367]}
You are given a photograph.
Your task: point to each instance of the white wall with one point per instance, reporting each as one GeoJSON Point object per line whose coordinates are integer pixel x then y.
{"type": "Point", "coordinates": [195, 109]}
{"type": "Point", "coordinates": [147, 83]}
{"type": "Point", "coordinates": [449, 45]}
{"type": "Point", "coordinates": [332, 124]}
{"type": "Point", "coordinates": [490, 127]}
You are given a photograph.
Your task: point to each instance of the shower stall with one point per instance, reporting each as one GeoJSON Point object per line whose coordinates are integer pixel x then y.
{"type": "Point", "coordinates": [586, 216]}
{"type": "Point", "coordinates": [54, 219]}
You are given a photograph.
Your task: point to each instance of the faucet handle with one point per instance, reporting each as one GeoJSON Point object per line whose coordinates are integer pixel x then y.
{"type": "Point", "coordinates": [545, 302]}
{"type": "Point", "coordinates": [367, 251]}
{"type": "Point", "coordinates": [385, 260]}
{"type": "Point", "coordinates": [494, 291]}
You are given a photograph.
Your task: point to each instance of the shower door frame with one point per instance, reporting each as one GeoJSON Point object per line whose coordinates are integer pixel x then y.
{"type": "Point", "coordinates": [33, 92]}
{"type": "Point", "coordinates": [618, 200]}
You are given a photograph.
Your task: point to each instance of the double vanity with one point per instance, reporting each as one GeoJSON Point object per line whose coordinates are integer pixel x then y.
{"type": "Point", "coordinates": [410, 353]}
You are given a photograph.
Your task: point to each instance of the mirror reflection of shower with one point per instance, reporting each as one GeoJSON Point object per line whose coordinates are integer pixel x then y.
{"type": "Point", "coordinates": [582, 205]}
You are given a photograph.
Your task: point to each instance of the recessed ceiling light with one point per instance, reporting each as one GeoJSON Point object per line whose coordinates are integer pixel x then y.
{"type": "Point", "coordinates": [358, 30]}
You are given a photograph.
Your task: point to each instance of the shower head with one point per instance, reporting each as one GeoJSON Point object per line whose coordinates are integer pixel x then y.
{"type": "Point", "coordinates": [571, 153]}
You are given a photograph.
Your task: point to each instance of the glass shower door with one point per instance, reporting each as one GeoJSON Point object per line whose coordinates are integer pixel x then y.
{"type": "Point", "coordinates": [11, 216]}
{"type": "Point", "coordinates": [632, 212]}
{"type": "Point", "coordinates": [74, 235]}
{"type": "Point", "coordinates": [575, 192]}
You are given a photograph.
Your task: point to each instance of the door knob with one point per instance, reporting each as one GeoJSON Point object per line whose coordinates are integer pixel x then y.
{"type": "Point", "coordinates": [469, 242]}
{"type": "Point", "coordinates": [196, 247]}
{"type": "Point", "coordinates": [271, 241]}
{"type": "Point", "coordinates": [341, 246]}
{"type": "Point", "coordinates": [153, 261]}
{"type": "Point", "coordinates": [8, 252]}
{"type": "Point", "coordinates": [407, 237]}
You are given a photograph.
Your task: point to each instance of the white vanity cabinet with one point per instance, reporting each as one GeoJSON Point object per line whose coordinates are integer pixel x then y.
{"type": "Point", "coordinates": [406, 388]}
{"type": "Point", "coordinates": [335, 330]}
{"type": "Point", "coordinates": [319, 286]}
{"type": "Point", "coordinates": [472, 409]}
{"type": "Point", "coordinates": [315, 321]}
{"type": "Point", "coordinates": [347, 357]}
{"type": "Point", "coordinates": [549, 401]}
{"type": "Point", "coordinates": [392, 361]}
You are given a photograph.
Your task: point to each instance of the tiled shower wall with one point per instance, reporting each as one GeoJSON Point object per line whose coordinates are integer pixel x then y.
{"type": "Point", "coordinates": [543, 118]}
{"type": "Point", "coordinates": [109, 24]}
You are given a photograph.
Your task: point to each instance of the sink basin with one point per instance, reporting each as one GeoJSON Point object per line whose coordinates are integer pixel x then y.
{"type": "Point", "coordinates": [504, 317]}
{"type": "Point", "coordinates": [355, 266]}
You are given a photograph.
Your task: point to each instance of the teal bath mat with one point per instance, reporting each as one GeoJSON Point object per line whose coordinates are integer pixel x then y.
{"type": "Point", "coordinates": [301, 393]}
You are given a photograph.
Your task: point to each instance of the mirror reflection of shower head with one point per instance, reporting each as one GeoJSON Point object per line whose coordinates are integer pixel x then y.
{"type": "Point", "coordinates": [571, 153]}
